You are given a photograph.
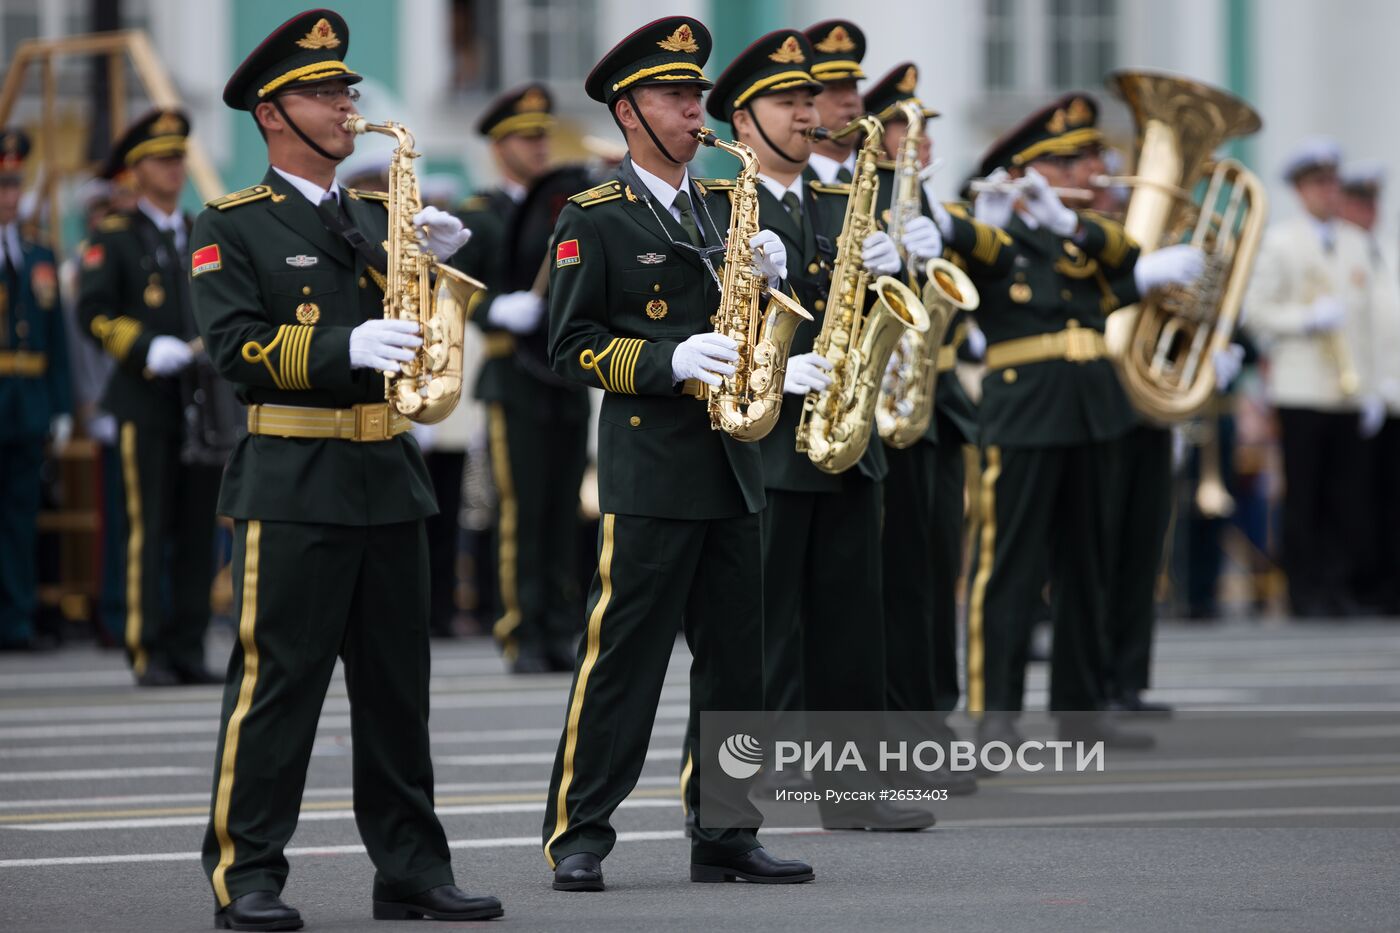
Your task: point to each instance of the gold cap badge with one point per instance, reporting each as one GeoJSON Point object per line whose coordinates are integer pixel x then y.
{"type": "Point", "coordinates": [910, 81]}
{"type": "Point", "coordinates": [321, 36]}
{"type": "Point", "coordinates": [1057, 122]}
{"type": "Point", "coordinates": [838, 40]}
{"type": "Point", "coordinates": [682, 40]}
{"type": "Point", "coordinates": [532, 101]}
{"type": "Point", "coordinates": [1080, 112]}
{"type": "Point", "coordinates": [789, 53]}
{"type": "Point", "coordinates": [167, 124]}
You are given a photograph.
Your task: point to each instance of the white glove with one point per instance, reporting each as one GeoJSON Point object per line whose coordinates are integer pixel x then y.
{"type": "Point", "coordinates": [942, 218]}
{"type": "Point", "coordinates": [879, 255]}
{"type": "Point", "coordinates": [806, 372]}
{"type": "Point", "coordinates": [1227, 363]}
{"type": "Point", "coordinates": [994, 207]}
{"type": "Point", "coordinates": [517, 312]}
{"type": "Point", "coordinates": [1325, 315]}
{"type": "Point", "coordinates": [382, 344]}
{"type": "Point", "coordinates": [921, 240]}
{"type": "Point", "coordinates": [769, 256]}
{"type": "Point", "coordinates": [1372, 416]}
{"type": "Point", "coordinates": [976, 342]}
{"type": "Point", "coordinates": [1170, 265]}
{"type": "Point", "coordinates": [1044, 205]}
{"type": "Point", "coordinates": [445, 233]}
{"type": "Point", "coordinates": [61, 430]}
{"type": "Point", "coordinates": [168, 355]}
{"type": "Point", "coordinates": [705, 357]}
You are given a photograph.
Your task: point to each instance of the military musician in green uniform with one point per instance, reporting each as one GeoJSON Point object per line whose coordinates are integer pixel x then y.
{"type": "Point", "coordinates": [328, 495]}
{"type": "Point", "coordinates": [632, 288]}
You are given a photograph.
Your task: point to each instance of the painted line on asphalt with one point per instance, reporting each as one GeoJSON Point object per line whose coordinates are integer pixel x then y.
{"type": "Point", "coordinates": [99, 774]}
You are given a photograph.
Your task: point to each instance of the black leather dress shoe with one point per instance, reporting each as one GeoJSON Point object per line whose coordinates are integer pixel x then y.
{"type": "Point", "coordinates": [257, 910]}
{"type": "Point", "coordinates": [157, 675]}
{"type": "Point", "coordinates": [1134, 703]}
{"type": "Point", "coordinates": [1100, 728]}
{"type": "Point", "coordinates": [956, 783]}
{"type": "Point", "coordinates": [444, 902]}
{"type": "Point", "coordinates": [756, 866]}
{"type": "Point", "coordinates": [197, 674]}
{"type": "Point", "coordinates": [582, 871]}
{"type": "Point", "coordinates": [878, 817]}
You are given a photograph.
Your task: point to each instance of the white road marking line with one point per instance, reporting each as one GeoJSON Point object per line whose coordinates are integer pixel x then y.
{"type": "Point", "coordinates": [1392, 780]}
{"type": "Point", "coordinates": [100, 774]}
{"type": "Point", "coordinates": [1170, 816]}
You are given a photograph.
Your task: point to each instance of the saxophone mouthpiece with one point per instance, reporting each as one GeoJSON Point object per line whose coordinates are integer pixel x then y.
{"type": "Point", "coordinates": [706, 136]}
{"type": "Point", "coordinates": [817, 132]}
{"type": "Point", "coordinates": [355, 123]}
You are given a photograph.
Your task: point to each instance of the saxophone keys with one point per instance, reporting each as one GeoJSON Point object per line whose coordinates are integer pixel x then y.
{"type": "Point", "coordinates": [437, 356]}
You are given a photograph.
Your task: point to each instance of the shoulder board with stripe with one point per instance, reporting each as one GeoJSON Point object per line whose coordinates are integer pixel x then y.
{"type": "Point", "coordinates": [363, 195]}
{"type": "Point", "coordinates": [957, 209]}
{"type": "Point", "coordinates": [821, 187]}
{"type": "Point", "coordinates": [114, 223]}
{"type": "Point", "coordinates": [608, 191]}
{"type": "Point", "coordinates": [715, 184]}
{"type": "Point", "coordinates": [246, 196]}
{"type": "Point", "coordinates": [477, 202]}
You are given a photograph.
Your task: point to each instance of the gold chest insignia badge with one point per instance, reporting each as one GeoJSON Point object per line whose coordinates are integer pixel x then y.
{"type": "Point", "coordinates": [308, 312]}
{"type": "Point", "coordinates": [154, 294]}
{"type": "Point", "coordinates": [656, 309]}
{"type": "Point", "coordinates": [321, 36]}
{"type": "Point", "coordinates": [789, 53]}
{"type": "Point", "coordinates": [682, 40]}
{"type": "Point", "coordinates": [1020, 293]}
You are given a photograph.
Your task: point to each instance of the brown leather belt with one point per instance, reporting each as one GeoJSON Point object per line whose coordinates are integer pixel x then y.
{"type": "Point", "coordinates": [23, 363]}
{"type": "Point", "coordinates": [1077, 345]}
{"type": "Point", "coordinates": [373, 421]}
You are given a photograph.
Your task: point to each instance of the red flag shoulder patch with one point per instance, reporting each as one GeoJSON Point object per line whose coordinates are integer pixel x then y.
{"type": "Point", "coordinates": [93, 256]}
{"type": "Point", "coordinates": [566, 254]}
{"type": "Point", "coordinates": [205, 259]}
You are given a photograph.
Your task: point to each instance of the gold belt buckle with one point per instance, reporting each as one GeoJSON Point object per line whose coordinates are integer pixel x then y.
{"type": "Point", "coordinates": [372, 422]}
{"type": "Point", "coordinates": [1080, 345]}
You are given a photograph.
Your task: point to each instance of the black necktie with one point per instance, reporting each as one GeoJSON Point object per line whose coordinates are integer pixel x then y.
{"type": "Point", "coordinates": [843, 175]}
{"type": "Point", "coordinates": [682, 204]}
{"type": "Point", "coordinates": [794, 208]}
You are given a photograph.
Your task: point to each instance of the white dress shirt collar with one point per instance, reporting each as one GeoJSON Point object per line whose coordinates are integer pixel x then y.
{"type": "Point", "coordinates": [827, 167]}
{"type": "Point", "coordinates": [10, 245]}
{"type": "Point", "coordinates": [309, 189]}
{"type": "Point", "coordinates": [776, 189]}
{"type": "Point", "coordinates": [175, 222]}
{"type": "Point", "coordinates": [661, 190]}
{"type": "Point", "coordinates": [514, 190]}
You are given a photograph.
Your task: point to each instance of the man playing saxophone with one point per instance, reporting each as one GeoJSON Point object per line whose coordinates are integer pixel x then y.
{"type": "Point", "coordinates": [632, 288]}
{"type": "Point", "coordinates": [327, 493]}
{"type": "Point", "coordinates": [1052, 417]}
{"type": "Point", "coordinates": [822, 646]}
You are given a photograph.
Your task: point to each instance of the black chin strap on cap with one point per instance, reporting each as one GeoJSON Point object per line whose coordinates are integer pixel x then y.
{"type": "Point", "coordinates": [276, 102]}
{"type": "Point", "coordinates": [647, 126]}
{"type": "Point", "coordinates": [771, 145]}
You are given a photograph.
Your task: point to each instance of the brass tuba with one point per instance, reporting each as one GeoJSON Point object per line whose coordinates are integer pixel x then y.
{"type": "Point", "coordinates": [836, 423]}
{"type": "Point", "coordinates": [761, 320]}
{"type": "Point", "coordinates": [905, 408]}
{"type": "Point", "coordinates": [1162, 347]}
{"type": "Point", "coordinates": [427, 387]}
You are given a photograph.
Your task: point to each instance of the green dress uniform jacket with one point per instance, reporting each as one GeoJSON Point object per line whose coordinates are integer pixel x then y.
{"type": "Point", "coordinates": [622, 298]}
{"type": "Point", "coordinates": [34, 384]}
{"type": "Point", "coordinates": [276, 297]}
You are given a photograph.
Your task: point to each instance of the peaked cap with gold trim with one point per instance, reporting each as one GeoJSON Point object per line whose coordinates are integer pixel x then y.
{"type": "Point", "coordinates": [777, 62]}
{"type": "Point", "coordinates": [307, 49]}
{"type": "Point", "coordinates": [1062, 127]}
{"type": "Point", "coordinates": [895, 88]}
{"type": "Point", "coordinates": [668, 51]}
{"type": "Point", "coordinates": [528, 110]}
{"type": "Point", "coordinates": [839, 46]}
{"type": "Point", "coordinates": [157, 133]}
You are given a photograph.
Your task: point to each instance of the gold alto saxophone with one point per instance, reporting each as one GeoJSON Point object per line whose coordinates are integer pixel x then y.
{"type": "Point", "coordinates": [427, 387]}
{"type": "Point", "coordinates": [907, 393]}
{"type": "Point", "coordinates": [760, 319]}
{"type": "Point", "coordinates": [836, 423]}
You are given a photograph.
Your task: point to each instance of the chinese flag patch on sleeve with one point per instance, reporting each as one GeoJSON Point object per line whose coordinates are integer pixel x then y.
{"type": "Point", "coordinates": [566, 254]}
{"type": "Point", "coordinates": [93, 256]}
{"type": "Point", "coordinates": [205, 259]}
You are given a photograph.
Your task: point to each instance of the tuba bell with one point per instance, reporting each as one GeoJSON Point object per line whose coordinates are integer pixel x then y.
{"type": "Point", "coordinates": [1162, 347]}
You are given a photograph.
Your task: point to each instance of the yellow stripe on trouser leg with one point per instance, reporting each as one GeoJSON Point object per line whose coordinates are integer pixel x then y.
{"type": "Point", "coordinates": [247, 618]}
{"type": "Point", "coordinates": [976, 604]}
{"type": "Point", "coordinates": [590, 657]}
{"type": "Point", "coordinates": [135, 540]}
{"type": "Point", "coordinates": [685, 780]}
{"type": "Point", "coordinates": [508, 536]}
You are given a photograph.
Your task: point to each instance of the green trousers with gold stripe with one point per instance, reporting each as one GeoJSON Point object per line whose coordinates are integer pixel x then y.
{"type": "Point", "coordinates": [170, 548]}
{"type": "Point", "coordinates": [1044, 516]}
{"type": "Point", "coordinates": [922, 560]}
{"type": "Point", "coordinates": [537, 463]}
{"type": "Point", "coordinates": [304, 595]}
{"type": "Point", "coordinates": [655, 576]}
